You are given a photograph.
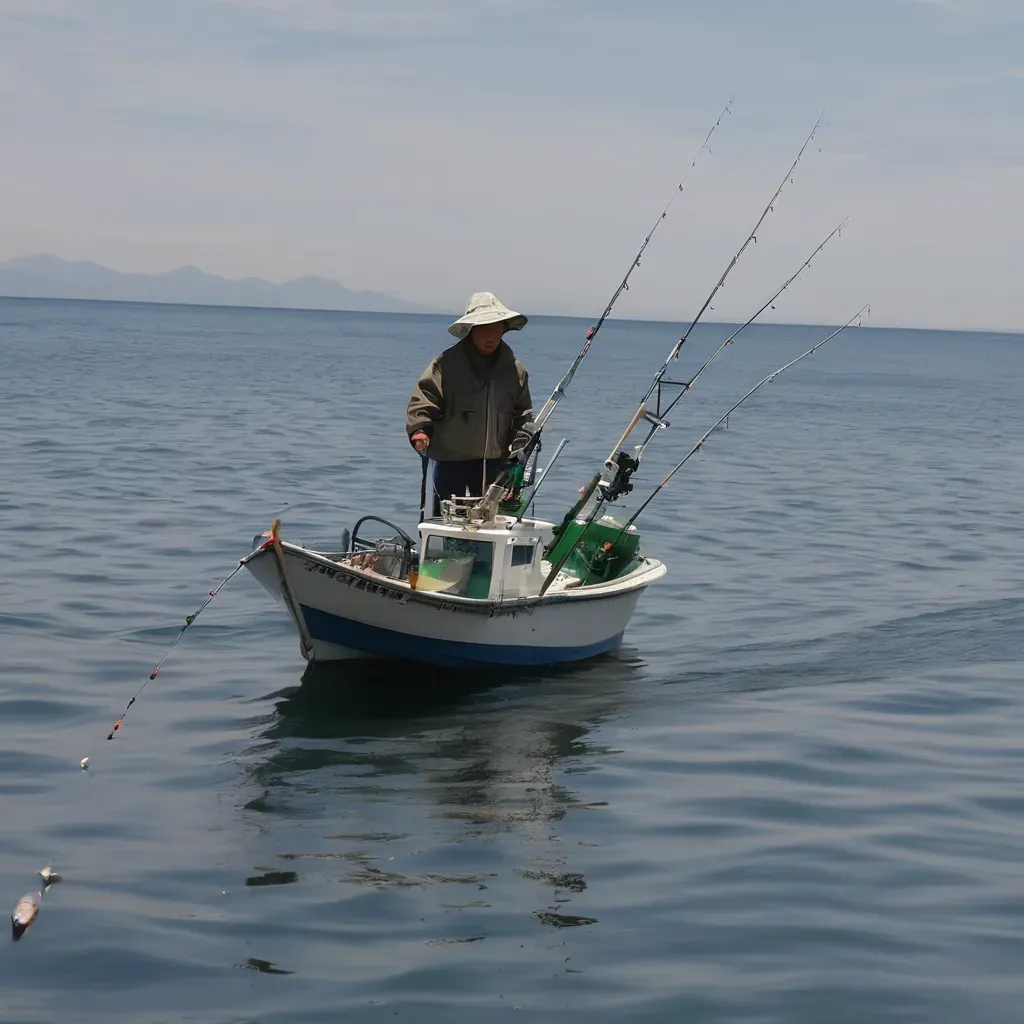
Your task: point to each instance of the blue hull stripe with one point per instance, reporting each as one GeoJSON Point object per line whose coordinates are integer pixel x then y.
{"type": "Point", "coordinates": [449, 653]}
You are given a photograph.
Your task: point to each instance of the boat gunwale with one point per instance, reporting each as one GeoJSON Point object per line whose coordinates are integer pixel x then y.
{"type": "Point", "coordinates": [645, 574]}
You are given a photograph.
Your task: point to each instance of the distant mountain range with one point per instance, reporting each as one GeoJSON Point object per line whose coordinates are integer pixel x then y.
{"type": "Point", "coordinates": [50, 277]}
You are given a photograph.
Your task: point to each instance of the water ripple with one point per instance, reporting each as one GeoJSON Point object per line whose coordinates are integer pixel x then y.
{"type": "Point", "coordinates": [792, 796]}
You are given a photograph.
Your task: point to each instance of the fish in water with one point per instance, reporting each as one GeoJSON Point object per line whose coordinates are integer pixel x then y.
{"type": "Point", "coordinates": [24, 913]}
{"type": "Point", "coordinates": [27, 907]}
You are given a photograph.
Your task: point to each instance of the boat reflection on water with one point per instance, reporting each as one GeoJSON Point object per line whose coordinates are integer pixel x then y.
{"type": "Point", "coordinates": [472, 733]}
{"type": "Point", "coordinates": [335, 695]}
{"type": "Point", "coordinates": [411, 778]}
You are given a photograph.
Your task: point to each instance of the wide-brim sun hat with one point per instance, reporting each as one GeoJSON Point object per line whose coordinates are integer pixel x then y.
{"type": "Point", "coordinates": [486, 308]}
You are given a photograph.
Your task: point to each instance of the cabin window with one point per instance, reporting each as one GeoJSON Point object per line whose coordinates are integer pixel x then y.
{"type": "Point", "coordinates": [457, 566]}
{"type": "Point", "coordinates": [522, 554]}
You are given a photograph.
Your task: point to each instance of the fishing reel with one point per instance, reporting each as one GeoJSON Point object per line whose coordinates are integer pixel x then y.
{"type": "Point", "coordinates": [505, 494]}
{"type": "Point", "coordinates": [525, 443]}
{"type": "Point", "coordinates": [625, 465]}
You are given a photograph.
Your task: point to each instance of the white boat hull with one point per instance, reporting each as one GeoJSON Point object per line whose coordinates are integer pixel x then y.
{"type": "Point", "coordinates": [351, 613]}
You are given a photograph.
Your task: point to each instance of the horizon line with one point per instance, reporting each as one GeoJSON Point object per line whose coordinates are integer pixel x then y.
{"type": "Point", "coordinates": [547, 316]}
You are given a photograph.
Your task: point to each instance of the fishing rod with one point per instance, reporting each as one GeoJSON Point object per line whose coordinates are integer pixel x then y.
{"type": "Point", "coordinates": [858, 318]}
{"type": "Point", "coordinates": [529, 499]}
{"type": "Point", "coordinates": [588, 522]}
{"type": "Point", "coordinates": [624, 465]}
{"type": "Point", "coordinates": [838, 230]}
{"type": "Point", "coordinates": [557, 395]}
{"type": "Point", "coordinates": [533, 428]}
{"type": "Point", "coordinates": [656, 418]}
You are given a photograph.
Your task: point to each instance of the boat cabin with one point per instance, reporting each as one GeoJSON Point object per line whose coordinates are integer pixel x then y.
{"type": "Point", "coordinates": [491, 561]}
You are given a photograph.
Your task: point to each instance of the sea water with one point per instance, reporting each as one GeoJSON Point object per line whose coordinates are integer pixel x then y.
{"type": "Point", "coordinates": [794, 795]}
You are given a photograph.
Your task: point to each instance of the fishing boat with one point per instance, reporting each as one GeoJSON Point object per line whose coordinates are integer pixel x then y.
{"type": "Point", "coordinates": [482, 584]}
{"type": "Point", "coordinates": [464, 594]}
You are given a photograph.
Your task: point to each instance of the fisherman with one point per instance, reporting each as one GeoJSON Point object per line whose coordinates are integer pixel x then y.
{"type": "Point", "coordinates": [471, 402]}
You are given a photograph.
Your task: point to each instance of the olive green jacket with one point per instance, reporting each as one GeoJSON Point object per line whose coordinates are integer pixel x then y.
{"type": "Point", "coordinates": [469, 405]}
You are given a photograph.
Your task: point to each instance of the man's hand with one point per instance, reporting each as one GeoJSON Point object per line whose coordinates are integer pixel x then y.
{"type": "Point", "coordinates": [420, 441]}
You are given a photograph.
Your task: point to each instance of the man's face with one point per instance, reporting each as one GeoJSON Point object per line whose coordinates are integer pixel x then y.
{"type": "Point", "coordinates": [487, 337]}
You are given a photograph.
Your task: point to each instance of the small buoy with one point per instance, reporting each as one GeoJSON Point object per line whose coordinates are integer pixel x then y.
{"type": "Point", "coordinates": [85, 764]}
{"type": "Point", "coordinates": [24, 913]}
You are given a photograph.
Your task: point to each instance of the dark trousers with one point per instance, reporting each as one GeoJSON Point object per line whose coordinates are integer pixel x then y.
{"type": "Point", "coordinates": [456, 477]}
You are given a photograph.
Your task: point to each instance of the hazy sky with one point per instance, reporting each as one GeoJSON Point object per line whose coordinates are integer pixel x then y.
{"type": "Point", "coordinates": [431, 148]}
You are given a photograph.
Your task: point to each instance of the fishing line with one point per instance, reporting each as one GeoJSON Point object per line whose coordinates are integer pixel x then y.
{"type": "Point", "coordinates": [189, 619]}
{"type": "Point", "coordinates": [26, 909]}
